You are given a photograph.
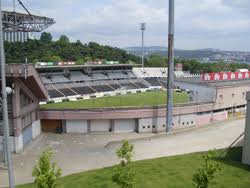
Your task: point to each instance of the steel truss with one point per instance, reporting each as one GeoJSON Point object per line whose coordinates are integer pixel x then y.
{"type": "Point", "coordinates": [19, 22]}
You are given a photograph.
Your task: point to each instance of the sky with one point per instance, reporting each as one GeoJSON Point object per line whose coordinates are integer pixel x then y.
{"type": "Point", "coordinates": [220, 24]}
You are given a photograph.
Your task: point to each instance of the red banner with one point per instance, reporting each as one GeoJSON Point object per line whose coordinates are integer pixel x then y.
{"type": "Point", "coordinates": [225, 76]}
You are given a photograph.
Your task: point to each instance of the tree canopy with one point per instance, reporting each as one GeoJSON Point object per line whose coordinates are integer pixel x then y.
{"type": "Point", "coordinates": [45, 50]}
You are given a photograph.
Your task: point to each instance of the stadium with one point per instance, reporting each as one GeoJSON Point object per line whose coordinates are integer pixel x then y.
{"type": "Point", "coordinates": [119, 98]}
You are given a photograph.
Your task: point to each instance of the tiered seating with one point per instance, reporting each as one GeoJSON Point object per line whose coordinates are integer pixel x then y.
{"type": "Point", "coordinates": [77, 76]}
{"type": "Point", "coordinates": [153, 81]}
{"type": "Point", "coordinates": [54, 94]}
{"type": "Point", "coordinates": [131, 75]}
{"type": "Point", "coordinates": [90, 81]}
{"type": "Point", "coordinates": [60, 79]}
{"type": "Point", "coordinates": [141, 85]}
{"type": "Point", "coordinates": [115, 86]}
{"type": "Point", "coordinates": [83, 90]}
{"type": "Point", "coordinates": [150, 72]}
{"type": "Point", "coordinates": [164, 83]}
{"type": "Point", "coordinates": [99, 76]}
{"type": "Point", "coordinates": [67, 92]}
{"type": "Point", "coordinates": [128, 86]}
{"type": "Point", "coordinates": [102, 88]}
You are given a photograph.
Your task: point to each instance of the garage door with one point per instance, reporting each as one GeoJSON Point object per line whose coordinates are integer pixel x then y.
{"type": "Point", "coordinates": [75, 126]}
{"type": "Point", "coordinates": [54, 126]}
{"type": "Point", "coordinates": [125, 125]}
{"type": "Point", "coordinates": [100, 126]}
{"type": "Point", "coordinates": [27, 135]}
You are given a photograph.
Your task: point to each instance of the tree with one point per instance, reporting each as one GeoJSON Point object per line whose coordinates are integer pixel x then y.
{"type": "Point", "coordinates": [206, 174]}
{"type": "Point", "coordinates": [45, 172]}
{"type": "Point", "coordinates": [55, 58]}
{"type": "Point", "coordinates": [123, 175]}
{"type": "Point", "coordinates": [157, 61]}
{"type": "Point", "coordinates": [80, 62]}
{"type": "Point", "coordinates": [63, 39]}
{"type": "Point", "coordinates": [46, 37]}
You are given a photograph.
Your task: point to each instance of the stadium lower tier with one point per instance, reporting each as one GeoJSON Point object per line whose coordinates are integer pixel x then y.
{"type": "Point", "coordinates": [65, 90]}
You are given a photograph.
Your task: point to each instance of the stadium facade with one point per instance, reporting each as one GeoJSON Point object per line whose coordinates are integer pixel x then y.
{"type": "Point", "coordinates": [209, 101]}
{"type": "Point", "coordinates": [23, 105]}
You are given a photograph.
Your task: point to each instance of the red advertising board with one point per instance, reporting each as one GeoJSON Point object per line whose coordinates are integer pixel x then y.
{"type": "Point", "coordinates": [225, 76]}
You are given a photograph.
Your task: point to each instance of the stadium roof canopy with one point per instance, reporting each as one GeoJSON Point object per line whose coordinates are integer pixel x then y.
{"type": "Point", "coordinates": [28, 75]}
{"type": "Point", "coordinates": [21, 22]}
{"type": "Point", "coordinates": [83, 67]}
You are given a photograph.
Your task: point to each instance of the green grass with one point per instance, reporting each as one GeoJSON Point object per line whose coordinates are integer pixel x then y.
{"type": "Point", "coordinates": [130, 100]}
{"type": "Point", "coordinates": [171, 172]}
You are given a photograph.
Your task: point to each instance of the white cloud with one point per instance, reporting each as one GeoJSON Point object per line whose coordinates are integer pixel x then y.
{"type": "Point", "coordinates": [199, 23]}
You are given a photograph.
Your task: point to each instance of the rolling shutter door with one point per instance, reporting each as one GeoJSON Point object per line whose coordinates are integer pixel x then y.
{"type": "Point", "coordinates": [100, 126]}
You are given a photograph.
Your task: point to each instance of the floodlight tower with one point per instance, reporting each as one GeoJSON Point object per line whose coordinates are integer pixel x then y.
{"type": "Point", "coordinates": [142, 28]}
{"type": "Point", "coordinates": [169, 117]}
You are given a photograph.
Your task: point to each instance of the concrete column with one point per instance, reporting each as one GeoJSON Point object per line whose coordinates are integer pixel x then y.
{"type": "Point", "coordinates": [112, 125]}
{"type": "Point", "coordinates": [246, 147]}
{"type": "Point", "coordinates": [89, 125]}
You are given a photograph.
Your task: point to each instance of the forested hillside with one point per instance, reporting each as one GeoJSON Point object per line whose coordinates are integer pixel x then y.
{"type": "Point", "coordinates": [46, 49]}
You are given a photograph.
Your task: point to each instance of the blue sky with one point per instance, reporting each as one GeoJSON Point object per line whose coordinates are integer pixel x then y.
{"type": "Point", "coordinates": [223, 24]}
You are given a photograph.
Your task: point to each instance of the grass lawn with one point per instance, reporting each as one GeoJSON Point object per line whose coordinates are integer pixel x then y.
{"type": "Point", "coordinates": [171, 172]}
{"type": "Point", "coordinates": [139, 99]}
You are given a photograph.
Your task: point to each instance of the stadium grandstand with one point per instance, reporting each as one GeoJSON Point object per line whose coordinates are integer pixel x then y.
{"type": "Point", "coordinates": [67, 81]}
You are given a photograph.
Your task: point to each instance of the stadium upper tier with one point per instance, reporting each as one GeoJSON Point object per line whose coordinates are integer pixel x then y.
{"type": "Point", "coordinates": [151, 72]}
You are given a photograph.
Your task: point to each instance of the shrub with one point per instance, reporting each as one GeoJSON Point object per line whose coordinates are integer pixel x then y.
{"type": "Point", "coordinates": [45, 172]}
{"type": "Point", "coordinates": [206, 174]}
{"type": "Point", "coordinates": [123, 175]}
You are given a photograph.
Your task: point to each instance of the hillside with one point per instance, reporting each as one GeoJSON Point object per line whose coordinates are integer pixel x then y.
{"type": "Point", "coordinates": [45, 49]}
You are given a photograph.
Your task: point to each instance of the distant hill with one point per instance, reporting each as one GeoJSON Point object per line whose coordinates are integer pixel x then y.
{"type": "Point", "coordinates": [185, 54]}
{"type": "Point", "coordinates": [207, 55]}
{"type": "Point", "coordinates": [46, 50]}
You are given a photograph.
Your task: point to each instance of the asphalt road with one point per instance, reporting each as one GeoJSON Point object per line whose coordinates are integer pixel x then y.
{"type": "Point", "coordinates": [76, 153]}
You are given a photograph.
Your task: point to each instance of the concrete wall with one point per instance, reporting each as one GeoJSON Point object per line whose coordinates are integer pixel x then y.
{"type": "Point", "coordinates": [18, 144]}
{"type": "Point", "coordinates": [246, 146]}
{"type": "Point", "coordinates": [220, 116]}
{"type": "Point", "coordinates": [227, 97]}
{"type": "Point", "coordinates": [149, 125]}
{"type": "Point", "coordinates": [199, 92]}
{"type": "Point", "coordinates": [184, 121]}
{"type": "Point", "coordinates": [36, 129]}
{"type": "Point", "coordinates": [76, 126]}
{"type": "Point", "coordinates": [203, 119]}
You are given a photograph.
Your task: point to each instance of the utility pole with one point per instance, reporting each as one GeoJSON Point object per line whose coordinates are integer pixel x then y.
{"type": "Point", "coordinates": [169, 117]}
{"type": "Point", "coordinates": [142, 28]}
{"type": "Point", "coordinates": [5, 106]}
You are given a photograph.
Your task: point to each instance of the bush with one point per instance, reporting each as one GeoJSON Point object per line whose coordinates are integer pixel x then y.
{"type": "Point", "coordinates": [206, 174]}
{"type": "Point", "coordinates": [123, 175]}
{"type": "Point", "coordinates": [45, 172]}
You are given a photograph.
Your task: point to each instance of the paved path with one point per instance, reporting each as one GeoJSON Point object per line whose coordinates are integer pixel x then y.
{"type": "Point", "coordinates": [77, 153]}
